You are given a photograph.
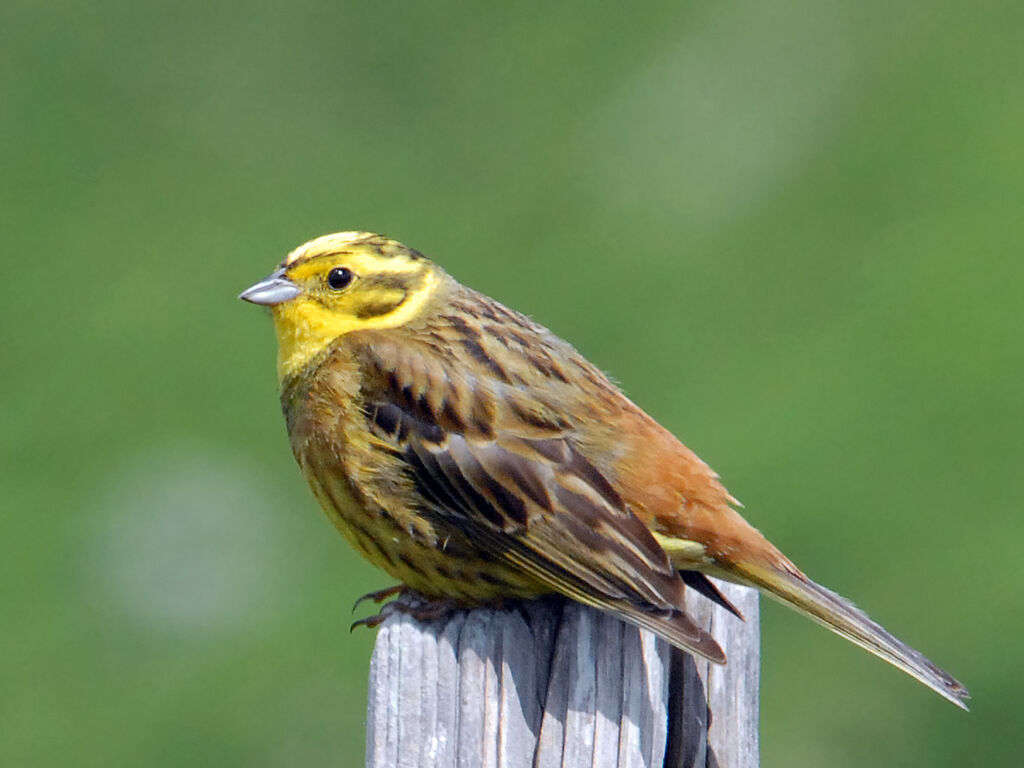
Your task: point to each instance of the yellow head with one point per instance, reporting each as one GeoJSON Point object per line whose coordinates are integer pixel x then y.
{"type": "Point", "coordinates": [339, 283]}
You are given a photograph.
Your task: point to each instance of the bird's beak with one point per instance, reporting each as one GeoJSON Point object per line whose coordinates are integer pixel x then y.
{"type": "Point", "coordinates": [273, 289]}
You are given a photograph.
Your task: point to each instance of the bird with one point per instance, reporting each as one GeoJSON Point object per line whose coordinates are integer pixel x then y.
{"type": "Point", "coordinates": [477, 457]}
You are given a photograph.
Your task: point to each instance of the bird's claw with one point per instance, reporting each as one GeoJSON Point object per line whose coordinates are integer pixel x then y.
{"type": "Point", "coordinates": [382, 594]}
{"type": "Point", "coordinates": [423, 610]}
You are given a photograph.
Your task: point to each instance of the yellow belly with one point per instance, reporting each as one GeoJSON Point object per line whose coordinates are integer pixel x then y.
{"type": "Point", "coordinates": [417, 555]}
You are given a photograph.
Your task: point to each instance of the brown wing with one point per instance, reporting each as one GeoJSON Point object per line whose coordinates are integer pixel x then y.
{"type": "Point", "coordinates": [519, 487]}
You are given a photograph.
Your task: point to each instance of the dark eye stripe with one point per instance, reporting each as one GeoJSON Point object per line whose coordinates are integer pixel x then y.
{"type": "Point", "coordinates": [383, 293]}
{"type": "Point", "coordinates": [390, 282]}
{"type": "Point", "coordinates": [382, 307]}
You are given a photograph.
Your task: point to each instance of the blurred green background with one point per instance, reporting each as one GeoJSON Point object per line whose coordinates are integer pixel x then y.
{"type": "Point", "coordinates": [792, 231]}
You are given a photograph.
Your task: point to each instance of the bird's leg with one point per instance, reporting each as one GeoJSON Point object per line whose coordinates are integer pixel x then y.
{"type": "Point", "coordinates": [429, 610]}
{"type": "Point", "coordinates": [423, 609]}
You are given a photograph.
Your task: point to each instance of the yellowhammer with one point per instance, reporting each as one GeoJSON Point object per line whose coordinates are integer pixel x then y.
{"type": "Point", "coordinates": [474, 456]}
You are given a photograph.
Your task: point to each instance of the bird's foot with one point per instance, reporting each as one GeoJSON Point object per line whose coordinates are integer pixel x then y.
{"type": "Point", "coordinates": [422, 609]}
{"type": "Point", "coordinates": [383, 594]}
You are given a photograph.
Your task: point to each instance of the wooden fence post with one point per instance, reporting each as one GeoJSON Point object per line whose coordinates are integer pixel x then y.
{"type": "Point", "coordinates": [556, 684]}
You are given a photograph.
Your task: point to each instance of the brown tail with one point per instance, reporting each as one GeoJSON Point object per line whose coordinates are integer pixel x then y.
{"type": "Point", "coordinates": [844, 618]}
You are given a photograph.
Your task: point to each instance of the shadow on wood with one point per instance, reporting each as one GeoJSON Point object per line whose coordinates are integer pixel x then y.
{"type": "Point", "coordinates": [554, 683]}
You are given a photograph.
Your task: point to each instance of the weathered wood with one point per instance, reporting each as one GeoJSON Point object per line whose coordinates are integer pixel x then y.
{"type": "Point", "coordinates": [554, 684]}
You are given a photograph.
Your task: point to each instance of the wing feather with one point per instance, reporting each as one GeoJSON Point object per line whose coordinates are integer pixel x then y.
{"type": "Point", "coordinates": [527, 496]}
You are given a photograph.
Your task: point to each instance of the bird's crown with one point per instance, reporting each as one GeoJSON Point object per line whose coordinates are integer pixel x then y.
{"type": "Point", "coordinates": [350, 243]}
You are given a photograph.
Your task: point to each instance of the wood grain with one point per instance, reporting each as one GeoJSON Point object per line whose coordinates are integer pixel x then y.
{"type": "Point", "coordinates": [555, 684]}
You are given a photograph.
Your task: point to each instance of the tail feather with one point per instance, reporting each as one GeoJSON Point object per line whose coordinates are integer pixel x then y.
{"type": "Point", "coordinates": [845, 619]}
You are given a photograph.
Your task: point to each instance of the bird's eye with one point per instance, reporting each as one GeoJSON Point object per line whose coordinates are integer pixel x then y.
{"type": "Point", "coordinates": [339, 278]}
